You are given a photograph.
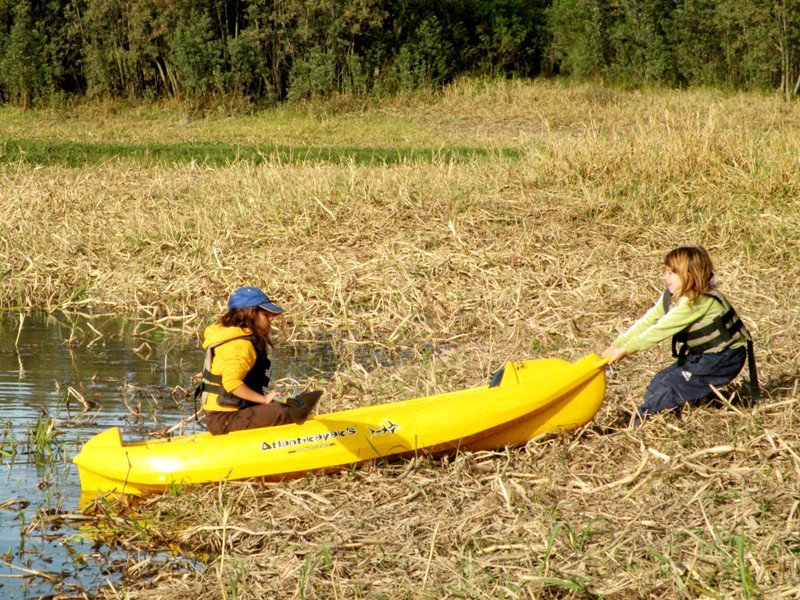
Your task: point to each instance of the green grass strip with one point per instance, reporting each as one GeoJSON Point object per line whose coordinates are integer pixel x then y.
{"type": "Point", "coordinates": [77, 154]}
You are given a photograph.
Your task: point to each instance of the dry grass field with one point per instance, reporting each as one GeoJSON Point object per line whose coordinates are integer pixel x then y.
{"type": "Point", "coordinates": [448, 233]}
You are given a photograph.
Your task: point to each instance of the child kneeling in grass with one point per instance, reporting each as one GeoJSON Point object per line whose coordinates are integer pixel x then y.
{"type": "Point", "coordinates": [714, 342]}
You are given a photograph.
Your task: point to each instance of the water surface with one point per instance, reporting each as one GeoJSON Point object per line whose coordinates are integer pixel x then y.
{"type": "Point", "coordinates": [129, 374]}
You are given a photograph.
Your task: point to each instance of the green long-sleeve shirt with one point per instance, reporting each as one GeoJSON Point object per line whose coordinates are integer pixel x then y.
{"type": "Point", "coordinates": [656, 326]}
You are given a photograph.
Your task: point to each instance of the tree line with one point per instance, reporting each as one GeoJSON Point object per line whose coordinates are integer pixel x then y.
{"type": "Point", "coordinates": [267, 51]}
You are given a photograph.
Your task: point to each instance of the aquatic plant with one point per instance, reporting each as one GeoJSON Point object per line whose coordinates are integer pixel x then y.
{"type": "Point", "coordinates": [8, 445]}
{"type": "Point", "coordinates": [43, 441]}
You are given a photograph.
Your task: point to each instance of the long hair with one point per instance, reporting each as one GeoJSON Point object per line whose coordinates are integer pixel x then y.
{"type": "Point", "coordinates": [246, 319]}
{"type": "Point", "coordinates": [693, 265]}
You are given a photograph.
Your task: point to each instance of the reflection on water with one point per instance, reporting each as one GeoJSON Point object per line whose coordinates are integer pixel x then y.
{"type": "Point", "coordinates": [63, 379]}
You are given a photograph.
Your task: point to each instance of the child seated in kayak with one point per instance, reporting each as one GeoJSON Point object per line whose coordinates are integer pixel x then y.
{"type": "Point", "coordinates": [715, 342]}
{"type": "Point", "coordinates": [236, 371]}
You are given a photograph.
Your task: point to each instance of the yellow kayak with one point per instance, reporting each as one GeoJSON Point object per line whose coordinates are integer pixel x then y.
{"type": "Point", "coordinates": [523, 401]}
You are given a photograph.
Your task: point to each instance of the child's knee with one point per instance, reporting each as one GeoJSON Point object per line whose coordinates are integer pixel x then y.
{"type": "Point", "coordinates": [659, 398]}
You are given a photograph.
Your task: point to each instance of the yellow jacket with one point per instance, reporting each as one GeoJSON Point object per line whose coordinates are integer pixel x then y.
{"type": "Point", "coordinates": [232, 359]}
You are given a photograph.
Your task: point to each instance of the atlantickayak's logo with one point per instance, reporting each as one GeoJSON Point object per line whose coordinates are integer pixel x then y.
{"type": "Point", "coordinates": [308, 439]}
{"type": "Point", "coordinates": [389, 427]}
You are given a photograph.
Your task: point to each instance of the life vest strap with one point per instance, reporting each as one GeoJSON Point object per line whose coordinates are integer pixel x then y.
{"type": "Point", "coordinates": [212, 383]}
{"type": "Point", "coordinates": [755, 390]}
{"type": "Point", "coordinates": [725, 328]}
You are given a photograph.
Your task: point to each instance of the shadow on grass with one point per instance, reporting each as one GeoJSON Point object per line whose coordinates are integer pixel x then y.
{"type": "Point", "coordinates": [76, 154]}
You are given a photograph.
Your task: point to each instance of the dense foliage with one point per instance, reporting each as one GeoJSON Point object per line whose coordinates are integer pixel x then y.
{"type": "Point", "coordinates": [271, 50]}
{"type": "Point", "coordinates": [753, 44]}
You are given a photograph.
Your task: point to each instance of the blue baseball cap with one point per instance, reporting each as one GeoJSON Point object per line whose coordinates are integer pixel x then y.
{"type": "Point", "coordinates": [248, 296]}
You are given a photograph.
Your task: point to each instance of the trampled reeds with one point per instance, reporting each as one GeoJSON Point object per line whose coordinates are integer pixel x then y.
{"type": "Point", "coordinates": [546, 243]}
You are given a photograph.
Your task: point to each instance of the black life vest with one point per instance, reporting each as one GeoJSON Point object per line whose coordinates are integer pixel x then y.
{"type": "Point", "coordinates": [256, 378]}
{"type": "Point", "coordinates": [697, 339]}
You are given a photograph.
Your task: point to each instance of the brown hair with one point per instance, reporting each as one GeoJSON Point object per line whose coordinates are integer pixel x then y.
{"type": "Point", "coordinates": [246, 319]}
{"type": "Point", "coordinates": [693, 265]}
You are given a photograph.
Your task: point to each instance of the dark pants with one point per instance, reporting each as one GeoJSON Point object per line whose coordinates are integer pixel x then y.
{"type": "Point", "coordinates": [678, 384]}
{"type": "Point", "coordinates": [252, 417]}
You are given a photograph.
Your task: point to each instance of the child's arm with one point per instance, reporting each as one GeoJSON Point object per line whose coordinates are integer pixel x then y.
{"type": "Point", "coordinates": [675, 321]}
{"type": "Point", "coordinates": [247, 393]}
{"type": "Point", "coordinates": [651, 317]}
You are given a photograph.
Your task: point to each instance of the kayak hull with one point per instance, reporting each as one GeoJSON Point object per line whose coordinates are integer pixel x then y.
{"type": "Point", "coordinates": [532, 399]}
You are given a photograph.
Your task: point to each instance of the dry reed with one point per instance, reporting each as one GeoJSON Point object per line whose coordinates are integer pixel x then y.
{"type": "Point", "coordinates": [452, 266]}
